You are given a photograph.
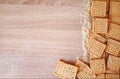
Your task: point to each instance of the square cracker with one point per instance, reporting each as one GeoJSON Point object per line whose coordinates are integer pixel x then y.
{"type": "Point", "coordinates": [97, 66]}
{"type": "Point", "coordinates": [113, 64]}
{"type": "Point", "coordinates": [80, 64]}
{"type": "Point", "coordinates": [112, 76]}
{"type": "Point", "coordinates": [98, 37]}
{"type": "Point", "coordinates": [115, 19]}
{"type": "Point", "coordinates": [100, 25]}
{"type": "Point", "coordinates": [97, 48]}
{"type": "Point", "coordinates": [114, 31]}
{"type": "Point", "coordinates": [114, 8]}
{"type": "Point", "coordinates": [86, 73]}
{"type": "Point", "coordinates": [69, 71]}
{"type": "Point", "coordinates": [99, 9]}
{"type": "Point", "coordinates": [64, 70]}
{"type": "Point", "coordinates": [113, 47]}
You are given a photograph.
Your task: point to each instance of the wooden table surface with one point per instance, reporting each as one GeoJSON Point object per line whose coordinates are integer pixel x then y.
{"type": "Point", "coordinates": [35, 34]}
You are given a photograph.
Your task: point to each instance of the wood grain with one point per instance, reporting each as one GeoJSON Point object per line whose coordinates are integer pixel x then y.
{"type": "Point", "coordinates": [35, 34]}
{"type": "Point", "coordinates": [72, 3]}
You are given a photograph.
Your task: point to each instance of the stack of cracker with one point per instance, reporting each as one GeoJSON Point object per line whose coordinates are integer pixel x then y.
{"type": "Point", "coordinates": [103, 46]}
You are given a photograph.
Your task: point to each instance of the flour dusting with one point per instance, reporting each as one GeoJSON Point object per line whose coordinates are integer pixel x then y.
{"type": "Point", "coordinates": [85, 28]}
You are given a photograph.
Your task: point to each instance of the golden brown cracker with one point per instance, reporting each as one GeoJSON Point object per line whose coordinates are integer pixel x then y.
{"type": "Point", "coordinates": [59, 68]}
{"type": "Point", "coordinates": [100, 25]}
{"type": "Point", "coordinates": [64, 70]}
{"type": "Point", "coordinates": [86, 73]}
{"type": "Point", "coordinates": [115, 19]}
{"type": "Point", "coordinates": [97, 66]}
{"type": "Point", "coordinates": [69, 71]}
{"type": "Point", "coordinates": [113, 47]}
{"type": "Point", "coordinates": [114, 8]}
{"type": "Point", "coordinates": [114, 31]}
{"type": "Point", "coordinates": [97, 48]}
{"type": "Point", "coordinates": [113, 63]}
{"type": "Point", "coordinates": [99, 9]}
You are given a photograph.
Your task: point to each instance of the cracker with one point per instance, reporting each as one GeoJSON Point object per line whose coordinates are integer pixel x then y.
{"type": "Point", "coordinates": [100, 25]}
{"type": "Point", "coordinates": [114, 31]}
{"type": "Point", "coordinates": [80, 65]}
{"type": "Point", "coordinates": [86, 73]}
{"type": "Point", "coordinates": [59, 68]}
{"type": "Point", "coordinates": [112, 76]}
{"type": "Point", "coordinates": [100, 76]}
{"type": "Point", "coordinates": [97, 48]}
{"type": "Point", "coordinates": [115, 19]}
{"type": "Point", "coordinates": [64, 70]}
{"type": "Point", "coordinates": [69, 71]}
{"type": "Point", "coordinates": [97, 66]}
{"type": "Point", "coordinates": [113, 63]}
{"type": "Point", "coordinates": [99, 9]}
{"type": "Point", "coordinates": [113, 47]}
{"type": "Point", "coordinates": [114, 8]}
{"type": "Point", "coordinates": [98, 37]}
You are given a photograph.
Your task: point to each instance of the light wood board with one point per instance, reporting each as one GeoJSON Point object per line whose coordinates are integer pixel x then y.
{"type": "Point", "coordinates": [34, 37]}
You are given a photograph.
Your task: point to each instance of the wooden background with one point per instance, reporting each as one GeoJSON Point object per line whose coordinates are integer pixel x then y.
{"type": "Point", "coordinates": [35, 34]}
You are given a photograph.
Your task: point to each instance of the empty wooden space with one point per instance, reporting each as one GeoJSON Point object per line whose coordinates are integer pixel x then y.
{"type": "Point", "coordinates": [35, 34]}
